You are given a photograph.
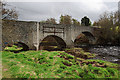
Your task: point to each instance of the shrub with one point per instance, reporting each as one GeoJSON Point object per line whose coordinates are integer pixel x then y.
{"type": "Point", "coordinates": [13, 48]}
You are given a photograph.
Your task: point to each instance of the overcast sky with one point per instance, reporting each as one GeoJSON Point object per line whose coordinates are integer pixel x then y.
{"type": "Point", "coordinates": [37, 11]}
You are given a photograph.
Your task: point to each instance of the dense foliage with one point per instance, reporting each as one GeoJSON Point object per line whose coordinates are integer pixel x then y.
{"type": "Point", "coordinates": [66, 19]}
{"type": "Point", "coordinates": [49, 21]}
{"type": "Point", "coordinates": [85, 21]}
{"type": "Point", "coordinates": [110, 28]}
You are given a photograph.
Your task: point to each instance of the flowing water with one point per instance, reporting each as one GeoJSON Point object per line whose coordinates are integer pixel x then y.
{"type": "Point", "coordinates": [107, 53]}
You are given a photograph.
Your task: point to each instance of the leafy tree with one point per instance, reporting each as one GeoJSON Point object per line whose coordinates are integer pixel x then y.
{"type": "Point", "coordinates": [109, 28]}
{"type": "Point", "coordinates": [10, 14]}
{"type": "Point", "coordinates": [85, 21]}
{"type": "Point", "coordinates": [43, 21]}
{"type": "Point", "coordinates": [117, 19]}
{"type": "Point", "coordinates": [65, 19]}
{"type": "Point", "coordinates": [75, 22]}
{"type": "Point", "coordinates": [51, 21]}
{"type": "Point", "coordinates": [106, 23]}
{"type": "Point", "coordinates": [95, 24]}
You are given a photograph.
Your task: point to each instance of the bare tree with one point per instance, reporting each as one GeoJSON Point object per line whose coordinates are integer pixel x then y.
{"type": "Point", "coordinates": [10, 14]}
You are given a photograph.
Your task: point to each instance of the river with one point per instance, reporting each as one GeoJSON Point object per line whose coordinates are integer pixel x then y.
{"type": "Point", "coordinates": [107, 53]}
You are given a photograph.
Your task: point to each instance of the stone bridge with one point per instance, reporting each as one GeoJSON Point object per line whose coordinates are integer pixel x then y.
{"type": "Point", "coordinates": [33, 33]}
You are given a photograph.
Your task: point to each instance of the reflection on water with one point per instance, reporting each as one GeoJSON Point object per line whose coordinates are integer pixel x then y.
{"type": "Point", "coordinates": [107, 53]}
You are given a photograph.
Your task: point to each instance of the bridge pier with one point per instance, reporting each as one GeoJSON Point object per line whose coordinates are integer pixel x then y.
{"type": "Point", "coordinates": [37, 38]}
{"type": "Point", "coordinates": [37, 47]}
{"type": "Point", "coordinates": [69, 43]}
{"type": "Point", "coordinates": [68, 38]}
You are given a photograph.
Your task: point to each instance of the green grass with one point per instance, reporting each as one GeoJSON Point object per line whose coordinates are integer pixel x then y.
{"type": "Point", "coordinates": [79, 52]}
{"type": "Point", "coordinates": [54, 64]}
{"type": "Point", "coordinates": [13, 48]}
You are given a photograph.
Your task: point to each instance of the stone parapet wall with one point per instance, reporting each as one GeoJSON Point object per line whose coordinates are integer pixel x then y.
{"type": "Point", "coordinates": [17, 31]}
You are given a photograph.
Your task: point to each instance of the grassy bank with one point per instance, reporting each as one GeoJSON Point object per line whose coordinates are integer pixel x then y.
{"type": "Point", "coordinates": [54, 64]}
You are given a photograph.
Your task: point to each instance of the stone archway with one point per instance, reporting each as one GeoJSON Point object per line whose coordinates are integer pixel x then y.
{"type": "Point", "coordinates": [52, 42]}
{"type": "Point", "coordinates": [84, 38]}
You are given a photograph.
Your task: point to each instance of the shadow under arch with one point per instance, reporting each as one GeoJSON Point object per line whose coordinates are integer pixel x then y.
{"type": "Point", "coordinates": [52, 42]}
{"type": "Point", "coordinates": [84, 38]}
{"type": "Point", "coordinates": [23, 45]}
{"type": "Point", "coordinates": [89, 35]}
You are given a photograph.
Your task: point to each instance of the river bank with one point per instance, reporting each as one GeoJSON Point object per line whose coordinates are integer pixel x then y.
{"type": "Point", "coordinates": [106, 53]}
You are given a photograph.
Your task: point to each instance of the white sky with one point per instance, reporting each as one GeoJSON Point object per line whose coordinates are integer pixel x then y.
{"type": "Point", "coordinates": [37, 10]}
{"type": "Point", "coordinates": [61, 0]}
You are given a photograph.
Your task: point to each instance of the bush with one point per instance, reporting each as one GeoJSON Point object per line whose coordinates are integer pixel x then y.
{"type": "Point", "coordinates": [13, 48]}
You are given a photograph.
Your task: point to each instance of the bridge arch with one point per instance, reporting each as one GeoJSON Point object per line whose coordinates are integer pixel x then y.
{"type": "Point", "coordinates": [84, 37]}
{"type": "Point", "coordinates": [52, 42]}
